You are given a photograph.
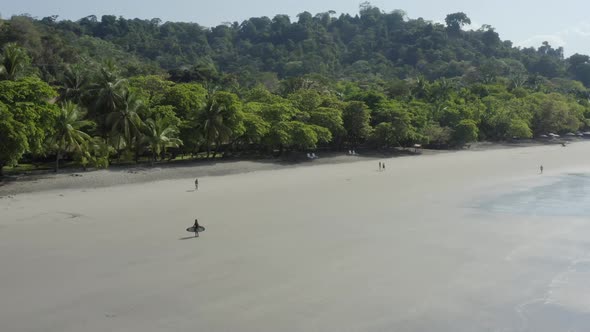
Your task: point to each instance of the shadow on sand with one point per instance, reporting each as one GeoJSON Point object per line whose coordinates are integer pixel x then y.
{"type": "Point", "coordinates": [188, 237]}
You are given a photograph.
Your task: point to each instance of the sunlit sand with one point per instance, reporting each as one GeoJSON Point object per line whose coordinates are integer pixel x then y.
{"type": "Point", "coordinates": [326, 248]}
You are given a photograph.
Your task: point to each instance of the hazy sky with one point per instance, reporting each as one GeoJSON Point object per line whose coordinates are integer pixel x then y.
{"type": "Point", "coordinates": [526, 22]}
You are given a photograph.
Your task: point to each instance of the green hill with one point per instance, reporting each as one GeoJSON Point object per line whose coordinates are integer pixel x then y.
{"type": "Point", "coordinates": [374, 79]}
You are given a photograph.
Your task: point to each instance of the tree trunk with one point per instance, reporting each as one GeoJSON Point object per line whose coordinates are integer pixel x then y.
{"type": "Point", "coordinates": [216, 151]}
{"type": "Point", "coordinates": [208, 148]}
{"type": "Point", "coordinates": [57, 161]}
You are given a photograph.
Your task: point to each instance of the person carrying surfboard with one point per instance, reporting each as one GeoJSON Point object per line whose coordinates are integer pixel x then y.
{"type": "Point", "coordinates": [196, 228]}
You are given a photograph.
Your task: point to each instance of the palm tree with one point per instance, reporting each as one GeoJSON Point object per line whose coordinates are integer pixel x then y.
{"type": "Point", "coordinates": [96, 153]}
{"type": "Point", "coordinates": [124, 120]}
{"type": "Point", "coordinates": [74, 84]}
{"type": "Point", "coordinates": [106, 94]}
{"type": "Point", "coordinates": [421, 88]}
{"type": "Point", "coordinates": [159, 135]}
{"type": "Point", "coordinates": [13, 61]}
{"type": "Point", "coordinates": [211, 122]}
{"type": "Point", "coordinates": [68, 135]}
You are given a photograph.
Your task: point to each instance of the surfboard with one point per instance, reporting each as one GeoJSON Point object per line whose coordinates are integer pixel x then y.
{"type": "Point", "coordinates": [192, 229]}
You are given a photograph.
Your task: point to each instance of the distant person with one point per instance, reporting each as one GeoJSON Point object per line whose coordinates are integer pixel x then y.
{"type": "Point", "coordinates": [196, 226]}
{"type": "Point", "coordinates": [383, 166]}
{"type": "Point", "coordinates": [379, 166]}
{"type": "Point", "coordinates": [541, 168]}
{"type": "Point", "coordinates": [196, 184]}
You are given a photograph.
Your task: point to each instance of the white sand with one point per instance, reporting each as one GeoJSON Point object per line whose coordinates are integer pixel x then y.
{"type": "Point", "coordinates": [327, 248]}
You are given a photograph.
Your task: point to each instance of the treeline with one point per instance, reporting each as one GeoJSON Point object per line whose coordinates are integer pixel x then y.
{"type": "Point", "coordinates": [96, 115]}
{"type": "Point", "coordinates": [372, 46]}
{"type": "Point", "coordinates": [97, 92]}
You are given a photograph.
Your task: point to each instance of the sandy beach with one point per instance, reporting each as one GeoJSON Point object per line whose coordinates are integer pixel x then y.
{"type": "Point", "coordinates": [135, 174]}
{"type": "Point", "coordinates": [422, 246]}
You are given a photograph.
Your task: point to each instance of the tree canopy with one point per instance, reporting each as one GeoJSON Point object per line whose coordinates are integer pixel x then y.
{"type": "Point", "coordinates": [112, 88]}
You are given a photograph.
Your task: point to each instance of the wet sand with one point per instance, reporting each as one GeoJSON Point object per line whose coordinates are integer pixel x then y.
{"type": "Point", "coordinates": [335, 247]}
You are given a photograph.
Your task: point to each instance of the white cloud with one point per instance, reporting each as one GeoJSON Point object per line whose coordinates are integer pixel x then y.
{"type": "Point", "coordinates": [582, 29]}
{"type": "Point", "coordinates": [575, 38]}
{"type": "Point", "coordinates": [555, 40]}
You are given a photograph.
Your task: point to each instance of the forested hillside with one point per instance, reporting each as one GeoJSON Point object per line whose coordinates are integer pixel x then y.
{"type": "Point", "coordinates": [98, 91]}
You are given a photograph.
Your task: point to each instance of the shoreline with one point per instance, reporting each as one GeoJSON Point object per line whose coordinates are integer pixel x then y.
{"type": "Point", "coordinates": [143, 173]}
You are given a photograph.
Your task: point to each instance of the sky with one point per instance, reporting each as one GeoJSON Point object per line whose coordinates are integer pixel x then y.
{"type": "Point", "coordinates": [525, 22]}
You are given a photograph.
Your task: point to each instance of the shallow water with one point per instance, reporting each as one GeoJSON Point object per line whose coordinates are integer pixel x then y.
{"type": "Point", "coordinates": [568, 196]}
{"type": "Point", "coordinates": [564, 305]}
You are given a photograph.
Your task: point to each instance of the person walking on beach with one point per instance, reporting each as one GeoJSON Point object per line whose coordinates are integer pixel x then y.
{"type": "Point", "coordinates": [197, 184]}
{"type": "Point", "coordinates": [196, 226]}
{"type": "Point", "coordinates": [541, 168]}
{"type": "Point", "coordinates": [379, 166]}
{"type": "Point", "coordinates": [383, 166]}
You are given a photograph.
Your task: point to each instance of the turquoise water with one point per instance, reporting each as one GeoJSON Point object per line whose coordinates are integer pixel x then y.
{"type": "Point", "coordinates": [568, 196]}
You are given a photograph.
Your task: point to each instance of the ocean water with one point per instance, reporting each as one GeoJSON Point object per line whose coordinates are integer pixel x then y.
{"type": "Point", "coordinates": [565, 303]}
{"type": "Point", "coordinates": [568, 196]}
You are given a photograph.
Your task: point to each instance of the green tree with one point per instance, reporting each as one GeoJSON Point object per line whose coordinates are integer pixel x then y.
{"type": "Point", "coordinates": [27, 113]}
{"type": "Point", "coordinates": [152, 88]}
{"type": "Point", "coordinates": [74, 84]}
{"type": "Point", "coordinates": [69, 135]}
{"type": "Point", "coordinates": [256, 127]}
{"type": "Point", "coordinates": [456, 21]}
{"type": "Point", "coordinates": [555, 113]}
{"type": "Point", "coordinates": [95, 153]}
{"type": "Point", "coordinates": [398, 115]}
{"type": "Point", "coordinates": [187, 99]}
{"type": "Point", "coordinates": [13, 138]}
{"type": "Point", "coordinates": [520, 129]}
{"type": "Point", "coordinates": [466, 131]}
{"type": "Point", "coordinates": [384, 135]}
{"type": "Point", "coordinates": [437, 135]}
{"type": "Point", "coordinates": [159, 134]}
{"type": "Point", "coordinates": [125, 122]}
{"type": "Point", "coordinates": [13, 62]}
{"type": "Point", "coordinates": [356, 119]}
{"type": "Point", "coordinates": [105, 94]}
{"type": "Point", "coordinates": [331, 119]}
{"type": "Point", "coordinates": [219, 119]}
{"type": "Point", "coordinates": [306, 100]}
{"type": "Point", "coordinates": [305, 136]}
{"type": "Point", "coordinates": [278, 114]}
